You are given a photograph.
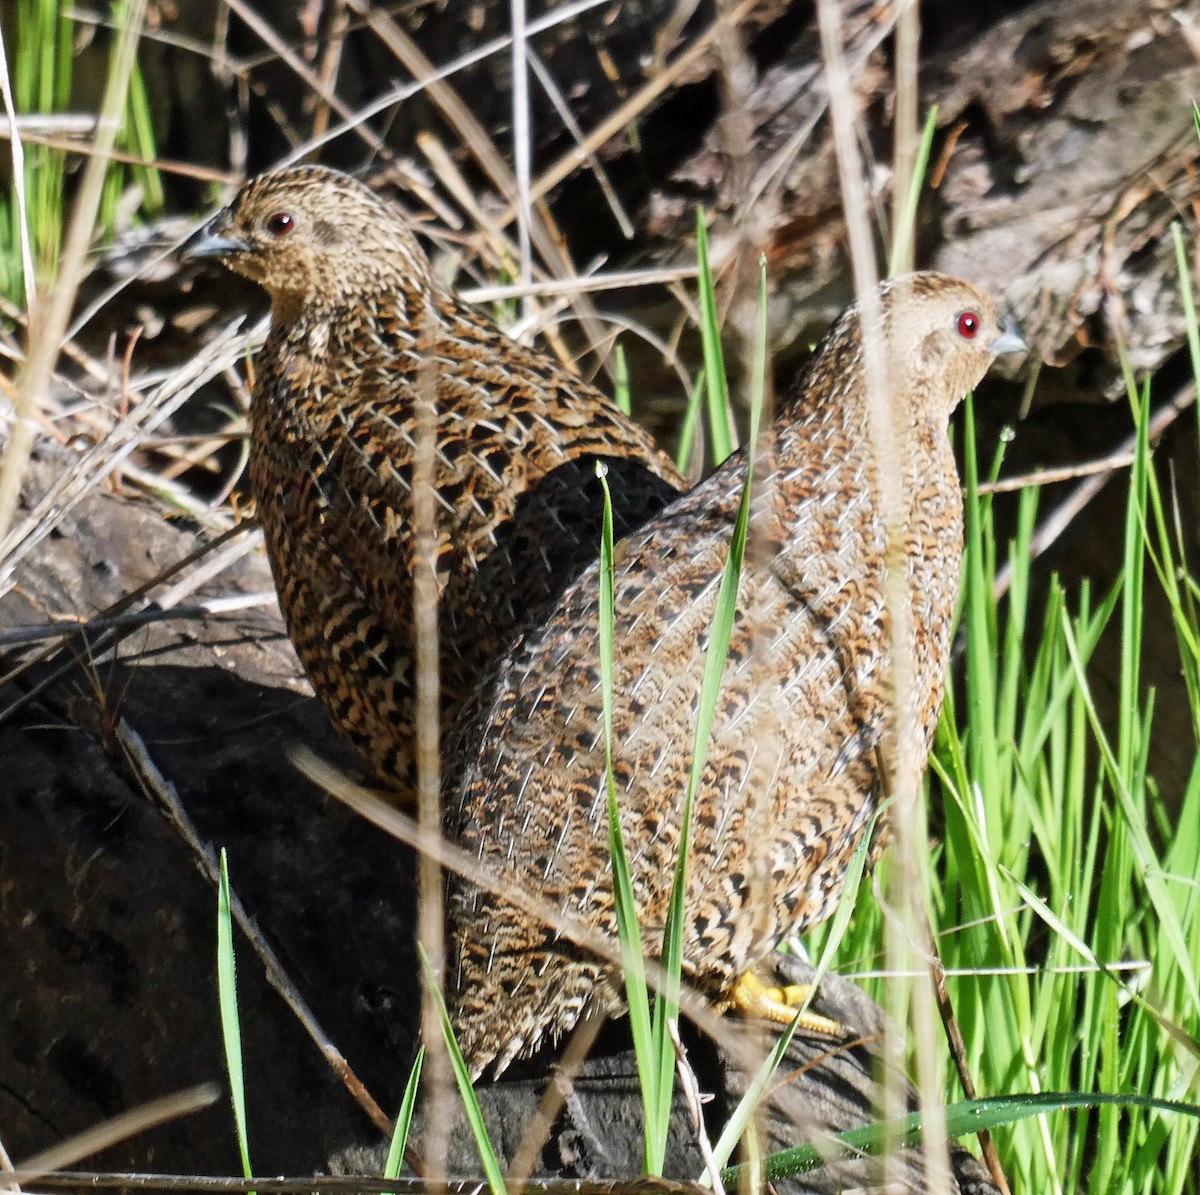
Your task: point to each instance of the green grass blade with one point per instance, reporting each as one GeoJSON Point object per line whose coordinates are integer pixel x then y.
{"type": "Point", "coordinates": [962, 1120]}
{"type": "Point", "coordinates": [621, 393]}
{"type": "Point", "coordinates": [839, 923]}
{"type": "Point", "coordinates": [905, 227]}
{"type": "Point", "coordinates": [395, 1157]}
{"type": "Point", "coordinates": [483, 1142]}
{"type": "Point", "coordinates": [1143, 849]}
{"type": "Point", "coordinates": [720, 422]}
{"type": "Point", "coordinates": [1183, 266]}
{"type": "Point", "coordinates": [1064, 931]}
{"type": "Point", "coordinates": [687, 431]}
{"type": "Point", "coordinates": [625, 906]}
{"type": "Point", "coordinates": [231, 1032]}
{"type": "Point", "coordinates": [743, 1115]}
{"type": "Point", "coordinates": [666, 1002]}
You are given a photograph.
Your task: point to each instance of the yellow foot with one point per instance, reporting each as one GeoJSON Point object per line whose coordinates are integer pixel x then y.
{"type": "Point", "coordinates": [752, 997]}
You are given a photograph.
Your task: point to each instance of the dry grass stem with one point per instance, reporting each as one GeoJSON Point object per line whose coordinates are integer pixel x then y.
{"type": "Point", "coordinates": [628, 112]}
{"type": "Point", "coordinates": [906, 129]}
{"type": "Point", "coordinates": [1022, 481]}
{"type": "Point", "coordinates": [263, 30]}
{"type": "Point", "coordinates": [331, 60]}
{"type": "Point", "coordinates": [436, 1080]}
{"type": "Point", "coordinates": [522, 140]}
{"type": "Point", "coordinates": [70, 145]}
{"type": "Point", "coordinates": [160, 790]}
{"type": "Point", "coordinates": [120, 628]}
{"type": "Point", "coordinates": [556, 1095]}
{"type": "Point", "coordinates": [592, 283]}
{"type": "Point", "coordinates": [689, 1085]}
{"type": "Point", "coordinates": [49, 321]}
{"type": "Point", "coordinates": [540, 232]}
{"type": "Point", "coordinates": [591, 160]}
{"type": "Point", "coordinates": [904, 752]}
{"type": "Point", "coordinates": [117, 1129]}
{"type": "Point", "coordinates": [99, 461]}
{"type": "Point", "coordinates": [397, 95]}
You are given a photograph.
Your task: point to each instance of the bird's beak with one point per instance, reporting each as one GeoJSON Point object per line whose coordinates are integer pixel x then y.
{"type": "Point", "coordinates": [214, 239]}
{"type": "Point", "coordinates": [1010, 339]}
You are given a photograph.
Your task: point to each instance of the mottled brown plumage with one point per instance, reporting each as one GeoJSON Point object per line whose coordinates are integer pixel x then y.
{"type": "Point", "coordinates": [361, 332]}
{"type": "Point", "coordinates": [792, 774]}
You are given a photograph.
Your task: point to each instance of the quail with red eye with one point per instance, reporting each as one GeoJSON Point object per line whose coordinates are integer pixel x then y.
{"type": "Point", "coordinates": [362, 332]}
{"type": "Point", "coordinates": [798, 756]}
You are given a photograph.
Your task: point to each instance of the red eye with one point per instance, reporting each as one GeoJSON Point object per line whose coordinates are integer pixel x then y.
{"type": "Point", "coordinates": [968, 325]}
{"type": "Point", "coordinates": [280, 224]}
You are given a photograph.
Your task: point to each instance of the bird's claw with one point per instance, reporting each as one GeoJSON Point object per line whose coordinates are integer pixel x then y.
{"type": "Point", "coordinates": [751, 997]}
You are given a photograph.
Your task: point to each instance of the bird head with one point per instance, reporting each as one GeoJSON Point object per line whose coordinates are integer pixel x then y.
{"type": "Point", "coordinates": [942, 337]}
{"type": "Point", "coordinates": [314, 239]}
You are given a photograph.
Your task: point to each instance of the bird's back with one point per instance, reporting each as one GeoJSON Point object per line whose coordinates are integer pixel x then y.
{"type": "Point", "coordinates": [335, 430]}
{"type": "Point", "coordinates": [791, 776]}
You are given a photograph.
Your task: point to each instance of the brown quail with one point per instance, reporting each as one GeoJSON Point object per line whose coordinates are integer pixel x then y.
{"type": "Point", "coordinates": [359, 324]}
{"type": "Point", "coordinates": [792, 775]}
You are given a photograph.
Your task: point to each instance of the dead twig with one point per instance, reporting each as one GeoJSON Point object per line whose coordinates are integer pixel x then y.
{"type": "Point", "coordinates": [158, 788]}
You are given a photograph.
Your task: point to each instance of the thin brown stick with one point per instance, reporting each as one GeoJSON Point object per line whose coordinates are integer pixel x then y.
{"type": "Point", "coordinates": [557, 1092]}
{"type": "Point", "coordinates": [72, 145]}
{"type": "Point", "coordinates": [557, 16]}
{"type": "Point", "coordinates": [158, 788]}
{"type": "Point", "coordinates": [475, 138]}
{"type": "Point", "coordinates": [690, 1087]}
{"type": "Point", "coordinates": [447, 172]}
{"type": "Point", "coordinates": [270, 38]}
{"type": "Point", "coordinates": [452, 858]}
{"type": "Point", "coordinates": [542, 231]}
{"type": "Point", "coordinates": [592, 160]}
{"type": "Point", "coordinates": [71, 487]}
{"type": "Point", "coordinates": [1040, 477]}
{"type": "Point", "coordinates": [20, 636]}
{"type": "Point", "coordinates": [331, 61]}
{"type": "Point", "coordinates": [118, 1128]}
{"type": "Point", "coordinates": [958, 1052]}
{"type": "Point", "coordinates": [621, 280]}
{"type": "Point", "coordinates": [110, 636]}
{"type": "Point", "coordinates": [627, 112]}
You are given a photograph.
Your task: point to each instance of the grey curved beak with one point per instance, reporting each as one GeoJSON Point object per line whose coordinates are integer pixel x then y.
{"type": "Point", "coordinates": [213, 240]}
{"type": "Point", "coordinates": [1010, 339]}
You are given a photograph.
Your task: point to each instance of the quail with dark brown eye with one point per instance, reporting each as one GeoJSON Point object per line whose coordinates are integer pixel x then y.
{"type": "Point", "coordinates": [362, 334]}
{"type": "Point", "coordinates": [803, 737]}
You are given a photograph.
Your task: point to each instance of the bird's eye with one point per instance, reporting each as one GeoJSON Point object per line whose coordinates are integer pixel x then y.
{"type": "Point", "coordinates": [279, 224]}
{"type": "Point", "coordinates": [968, 325]}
